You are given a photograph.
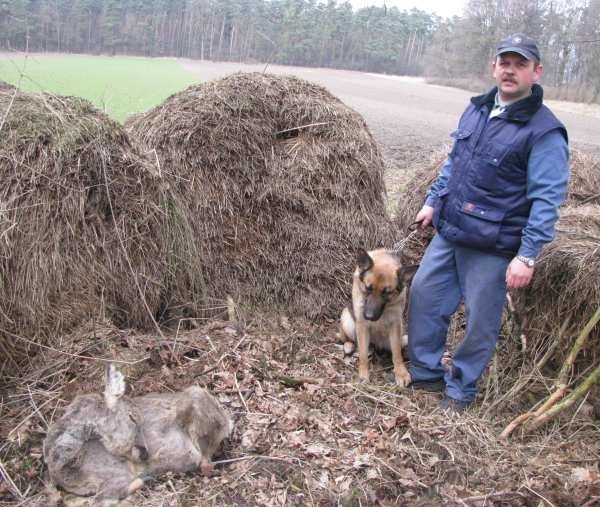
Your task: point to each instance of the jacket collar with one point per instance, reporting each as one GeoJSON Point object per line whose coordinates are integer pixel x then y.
{"type": "Point", "coordinates": [522, 110]}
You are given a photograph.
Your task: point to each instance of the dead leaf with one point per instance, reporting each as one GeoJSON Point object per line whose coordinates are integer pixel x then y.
{"type": "Point", "coordinates": [343, 483]}
{"type": "Point", "coordinates": [370, 435]}
{"type": "Point", "coordinates": [323, 481]}
{"type": "Point", "coordinates": [373, 473]}
{"type": "Point", "coordinates": [250, 439]}
{"type": "Point", "coordinates": [580, 474]}
{"type": "Point", "coordinates": [317, 450]}
{"type": "Point", "coordinates": [284, 322]}
{"type": "Point", "coordinates": [361, 461]}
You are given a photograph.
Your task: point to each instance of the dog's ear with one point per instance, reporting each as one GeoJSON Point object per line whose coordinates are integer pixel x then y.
{"type": "Point", "coordinates": [405, 275]}
{"type": "Point", "coordinates": [364, 261]}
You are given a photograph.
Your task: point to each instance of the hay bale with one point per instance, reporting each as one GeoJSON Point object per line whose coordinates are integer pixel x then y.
{"type": "Point", "coordinates": [565, 284]}
{"type": "Point", "coordinates": [5, 87]}
{"type": "Point", "coordinates": [409, 204]}
{"type": "Point", "coordinates": [413, 197]}
{"type": "Point", "coordinates": [584, 178]}
{"type": "Point", "coordinates": [278, 211]}
{"type": "Point", "coordinates": [68, 253]}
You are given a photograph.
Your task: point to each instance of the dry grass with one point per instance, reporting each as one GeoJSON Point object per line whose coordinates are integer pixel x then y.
{"type": "Point", "coordinates": [88, 227]}
{"type": "Point", "coordinates": [277, 217]}
{"type": "Point", "coordinates": [79, 219]}
{"type": "Point", "coordinates": [565, 286]}
{"type": "Point", "coordinates": [584, 180]}
{"type": "Point", "coordinates": [4, 87]}
{"type": "Point", "coordinates": [328, 440]}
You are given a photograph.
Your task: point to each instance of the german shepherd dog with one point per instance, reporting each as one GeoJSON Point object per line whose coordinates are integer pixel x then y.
{"type": "Point", "coordinates": [379, 295]}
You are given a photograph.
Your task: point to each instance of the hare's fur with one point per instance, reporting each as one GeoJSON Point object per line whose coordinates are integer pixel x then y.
{"type": "Point", "coordinates": [108, 447]}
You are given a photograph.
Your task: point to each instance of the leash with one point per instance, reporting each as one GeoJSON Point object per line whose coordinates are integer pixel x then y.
{"type": "Point", "coordinates": [412, 230]}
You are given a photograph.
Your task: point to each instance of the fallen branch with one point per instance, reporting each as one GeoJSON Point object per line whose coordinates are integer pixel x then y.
{"type": "Point", "coordinates": [582, 389]}
{"type": "Point", "coordinates": [549, 409]}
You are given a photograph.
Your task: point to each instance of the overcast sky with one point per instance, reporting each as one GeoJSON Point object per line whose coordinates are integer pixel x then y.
{"type": "Point", "coordinates": [440, 7]}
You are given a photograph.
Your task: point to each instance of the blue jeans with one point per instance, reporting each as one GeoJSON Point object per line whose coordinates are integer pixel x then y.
{"type": "Point", "coordinates": [447, 275]}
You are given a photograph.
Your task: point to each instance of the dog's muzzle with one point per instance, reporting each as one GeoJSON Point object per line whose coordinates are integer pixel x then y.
{"type": "Point", "coordinates": [373, 310]}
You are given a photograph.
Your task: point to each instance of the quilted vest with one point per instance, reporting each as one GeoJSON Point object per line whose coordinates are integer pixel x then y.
{"type": "Point", "coordinates": [484, 205]}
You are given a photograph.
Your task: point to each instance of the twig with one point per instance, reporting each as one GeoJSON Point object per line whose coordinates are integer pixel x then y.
{"type": "Point", "coordinates": [9, 481]}
{"type": "Point", "coordinates": [500, 495]}
{"type": "Point", "coordinates": [35, 407]}
{"type": "Point", "coordinates": [553, 411]}
{"type": "Point", "coordinates": [373, 398]}
{"type": "Point", "coordinates": [590, 199]}
{"type": "Point", "coordinates": [244, 458]}
{"type": "Point", "coordinates": [300, 127]}
{"type": "Point", "coordinates": [237, 386]}
{"type": "Point", "coordinates": [79, 356]}
{"type": "Point", "coordinates": [399, 474]}
{"type": "Point", "coordinates": [539, 495]}
{"type": "Point", "coordinates": [30, 416]}
{"type": "Point", "coordinates": [297, 381]}
{"type": "Point", "coordinates": [547, 411]}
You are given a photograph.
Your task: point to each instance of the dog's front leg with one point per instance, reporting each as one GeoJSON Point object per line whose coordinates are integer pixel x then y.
{"type": "Point", "coordinates": [362, 337]}
{"type": "Point", "coordinates": [400, 371]}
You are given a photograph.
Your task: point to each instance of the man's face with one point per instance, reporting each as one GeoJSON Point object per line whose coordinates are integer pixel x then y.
{"type": "Point", "coordinates": [515, 75]}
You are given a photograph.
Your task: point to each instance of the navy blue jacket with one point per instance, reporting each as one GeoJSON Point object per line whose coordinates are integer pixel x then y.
{"type": "Point", "coordinates": [484, 203]}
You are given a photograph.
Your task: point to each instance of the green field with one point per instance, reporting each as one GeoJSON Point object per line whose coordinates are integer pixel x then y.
{"type": "Point", "coordinates": [118, 85]}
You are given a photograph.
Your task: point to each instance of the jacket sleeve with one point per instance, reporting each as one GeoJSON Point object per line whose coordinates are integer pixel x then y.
{"type": "Point", "coordinates": [439, 184]}
{"type": "Point", "coordinates": [547, 180]}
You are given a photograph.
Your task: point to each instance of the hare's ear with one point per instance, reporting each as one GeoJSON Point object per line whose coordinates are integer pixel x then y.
{"type": "Point", "coordinates": [115, 385]}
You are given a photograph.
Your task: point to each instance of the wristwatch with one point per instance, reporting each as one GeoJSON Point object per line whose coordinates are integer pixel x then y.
{"type": "Point", "coordinates": [528, 261]}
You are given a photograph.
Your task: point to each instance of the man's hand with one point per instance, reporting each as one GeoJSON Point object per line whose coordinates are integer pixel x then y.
{"type": "Point", "coordinates": [424, 217]}
{"type": "Point", "coordinates": [518, 274]}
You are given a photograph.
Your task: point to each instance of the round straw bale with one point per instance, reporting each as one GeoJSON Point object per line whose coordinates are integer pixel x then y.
{"type": "Point", "coordinates": [79, 219]}
{"type": "Point", "coordinates": [281, 183]}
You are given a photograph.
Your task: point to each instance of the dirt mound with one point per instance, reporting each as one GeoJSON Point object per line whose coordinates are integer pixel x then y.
{"type": "Point", "coordinates": [80, 220]}
{"type": "Point", "coordinates": [280, 183]}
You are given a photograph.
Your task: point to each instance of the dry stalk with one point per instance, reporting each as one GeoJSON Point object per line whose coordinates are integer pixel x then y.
{"type": "Point", "coordinates": [119, 234]}
{"type": "Point", "coordinates": [13, 487]}
{"type": "Point", "coordinates": [69, 354]}
{"type": "Point", "coordinates": [549, 409]}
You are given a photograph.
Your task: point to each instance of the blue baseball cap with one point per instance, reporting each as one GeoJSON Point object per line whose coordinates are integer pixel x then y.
{"type": "Point", "coordinates": [521, 44]}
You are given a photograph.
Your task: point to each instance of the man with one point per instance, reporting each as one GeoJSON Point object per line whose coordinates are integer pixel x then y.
{"type": "Point", "coordinates": [494, 206]}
